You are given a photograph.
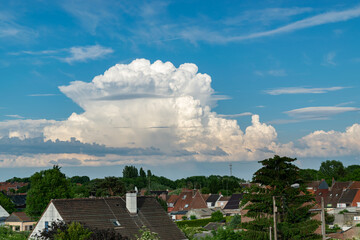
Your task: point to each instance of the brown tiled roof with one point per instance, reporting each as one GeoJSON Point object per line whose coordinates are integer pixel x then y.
{"type": "Point", "coordinates": [19, 217]}
{"type": "Point", "coordinates": [341, 185]}
{"type": "Point", "coordinates": [172, 198]}
{"type": "Point", "coordinates": [198, 201]}
{"type": "Point", "coordinates": [355, 185]}
{"type": "Point", "coordinates": [5, 186]}
{"type": "Point", "coordinates": [190, 200]}
{"type": "Point", "coordinates": [102, 212]}
{"type": "Point", "coordinates": [313, 184]}
{"type": "Point", "coordinates": [333, 197]}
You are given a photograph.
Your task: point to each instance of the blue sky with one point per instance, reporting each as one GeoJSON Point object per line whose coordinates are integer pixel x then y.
{"type": "Point", "coordinates": [82, 86]}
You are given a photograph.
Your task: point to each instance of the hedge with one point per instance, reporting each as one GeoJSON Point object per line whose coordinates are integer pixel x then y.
{"type": "Point", "coordinates": [194, 223]}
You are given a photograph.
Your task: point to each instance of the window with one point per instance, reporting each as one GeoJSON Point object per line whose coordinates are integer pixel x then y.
{"type": "Point", "coordinates": [115, 222]}
{"type": "Point", "coordinates": [46, 226]}
{"type": "Point", "coordinates": [17, 228]}
{"type": "Point", "coordinates": [184, 196]}
{"type": "Point", "coordinates": [31, 227]}
{"type": "Point", "coordinates": [186, 205]}
{"type": "Point", "coordinates": [356, 218]}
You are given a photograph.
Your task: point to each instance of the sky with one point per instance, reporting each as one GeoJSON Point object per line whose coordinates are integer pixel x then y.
{"type": "Point", "coordinates": [179, 87]}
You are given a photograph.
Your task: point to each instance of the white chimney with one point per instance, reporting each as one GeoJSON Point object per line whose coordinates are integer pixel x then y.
{"type": "Point", "coordinates": [131, 202]}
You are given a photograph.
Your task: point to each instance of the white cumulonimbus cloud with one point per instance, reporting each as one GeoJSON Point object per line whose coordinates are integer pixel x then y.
{"type": "Point", "coordinates": [157, 105]}
{"type": "Point", "coordinates": [152, 113]}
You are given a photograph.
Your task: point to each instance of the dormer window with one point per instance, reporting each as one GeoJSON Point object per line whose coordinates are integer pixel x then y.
{"type": "Point", "coordinates": [186, 205]}
{"type": "Point", "coordinates": [184, 197]}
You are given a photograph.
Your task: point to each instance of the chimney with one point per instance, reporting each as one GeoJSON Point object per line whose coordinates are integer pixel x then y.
{"type": "Point", "coordinates": [131, 202]}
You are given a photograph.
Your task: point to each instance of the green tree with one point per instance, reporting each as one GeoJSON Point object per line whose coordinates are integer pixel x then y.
{"type": "Point", "coordinates": [75, 231]}
{"type": "Point", "coordinates": [235, 222]}
{"type": "Point", "coordinates": [332, 169]}
{"type": "Point", "coordinates": [113, 185]}
{"type": "Point", "coordinates": [217, 216]}
{"type": "Point", "coordinates": [308, 175]}
{"type": "Point", "coordinates": [130, 172]}
{"type": "Point", "coordinates": [225, 234]}
{"type": "Point", "coordinates": [142, 173]}
{"type": "Point", "coordinates": [46, 185]}
{"type": "Point", "coordinates": [146, 234]}
{"type": "Point", "coordinates": [6, 203]}
{"type": "Point", "coordinates": [6, 233]}
{"type": "Point", "coordinates": [276, 178]}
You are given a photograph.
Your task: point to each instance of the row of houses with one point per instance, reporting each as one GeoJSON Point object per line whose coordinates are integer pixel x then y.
{"type": "Point", "coordinates": [190, 202]}
{"type": "Point", "coordinates": [338, 195]}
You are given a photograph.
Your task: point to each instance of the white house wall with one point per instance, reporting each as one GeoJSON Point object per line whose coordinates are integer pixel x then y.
{"type": "Point", "coordinates": [51, 215]}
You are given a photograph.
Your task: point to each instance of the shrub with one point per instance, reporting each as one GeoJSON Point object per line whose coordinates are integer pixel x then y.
{"type": "Point", "coordinates": [192, 217]}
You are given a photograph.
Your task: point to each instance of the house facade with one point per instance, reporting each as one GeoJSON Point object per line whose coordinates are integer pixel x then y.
{"type": "Point", "coordinates": [3, 215]}
{"type": "Point", "coordinates": [124, 216]}
{"type": "Point", "coordinates": [19, 221]}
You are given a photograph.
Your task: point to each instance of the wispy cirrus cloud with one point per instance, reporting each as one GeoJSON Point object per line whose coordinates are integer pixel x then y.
{"type": "Point", "coordinates": [329, 59]}
{"type": "Point", "coordinates": [301, 90]}
{"type": "Point", "coordinates": [82, 54]}
{"type": "Point", "coordinates": [14, 116]}
{"type": "Point", "coordinates": [73, 54]}
{"type": "Point", "coordinates": [42, 95]}
{"type": "Point", "coordinates": [319, 113]}
{"type": "Point", "coordinates": [271, 72]}
{"type": "Point", "coordinates": [321, 19]}
{"type": "Point", "coordinates": [236, 115]}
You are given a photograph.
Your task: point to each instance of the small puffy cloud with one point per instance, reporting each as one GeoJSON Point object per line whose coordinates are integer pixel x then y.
{"type": "Point", "coordinates": [301, 90]}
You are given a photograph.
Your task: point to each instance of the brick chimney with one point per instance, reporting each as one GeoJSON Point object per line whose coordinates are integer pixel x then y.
{"type": "Point", "coordinates": [131, 202]}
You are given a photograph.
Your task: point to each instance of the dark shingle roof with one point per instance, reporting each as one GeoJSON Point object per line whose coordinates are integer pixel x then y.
{"type": "Point", "coordinates": [323, 185]}
{"type": "Point", "coordinates": [212, 199]}
{"type": "Point", "coordinates": [234, 201]}
{"type": "Point", "coordinates": [101, 212]}
{"type": "Point", "coordinates": [333, 197]}
{"type": "Point", "coordinates": [348, 196]}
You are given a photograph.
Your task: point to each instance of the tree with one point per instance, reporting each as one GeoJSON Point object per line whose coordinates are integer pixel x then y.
{"type": "Point", "coordinates": [46, 185]}
{"type": "Point", "coordinates": [217, 216]}
{"type": "Point", "coordinates": [61, 227]}
{"type": "Point", "coordinates": [276, 178]}
{"type": "Point", "coordinates": [130, 172]}
{"type": "Point", "coordinates": [332, 169]}
{"type": "Point", "coordinates": [235, 222]}
{"type": "Point", "coordinates": [142, 173]}
{"type": "Point", "coordinates": [75, 231]}
{"type": "Point", "coordinates": [6, 203]}
{"type": "Point", "coordinates": [113, 185]}
{"type": "Point", "coordinates": [146, 234]}
{"type": "Point", "coordinates": [310, 175]}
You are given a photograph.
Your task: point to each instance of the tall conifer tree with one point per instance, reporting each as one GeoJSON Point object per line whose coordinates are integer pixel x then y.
{"type": "Point", "coordinates": [279, 177]}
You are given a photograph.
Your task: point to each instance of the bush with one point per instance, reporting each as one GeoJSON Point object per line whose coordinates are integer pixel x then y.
{"type": "Point", "coordinates": [184, 217]}
{"type": "Point", "coordinates": [343, 211]}
{"type": "Point", "coordinates": [6, 233]}
{"type": "Point", "coordinates": [217, 216]}
{"type": "Point", "coordinates": [192, 217]}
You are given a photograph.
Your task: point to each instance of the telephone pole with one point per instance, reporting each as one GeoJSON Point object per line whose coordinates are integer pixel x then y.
{"type": "Point", "coordinates": [274, 215]}
{"type": "Point", "coordinates": [323, 233]}
{"type": "Point", "coordinates": [230, 165]}
{"type": "Point", "coordinates": [270, 237]}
